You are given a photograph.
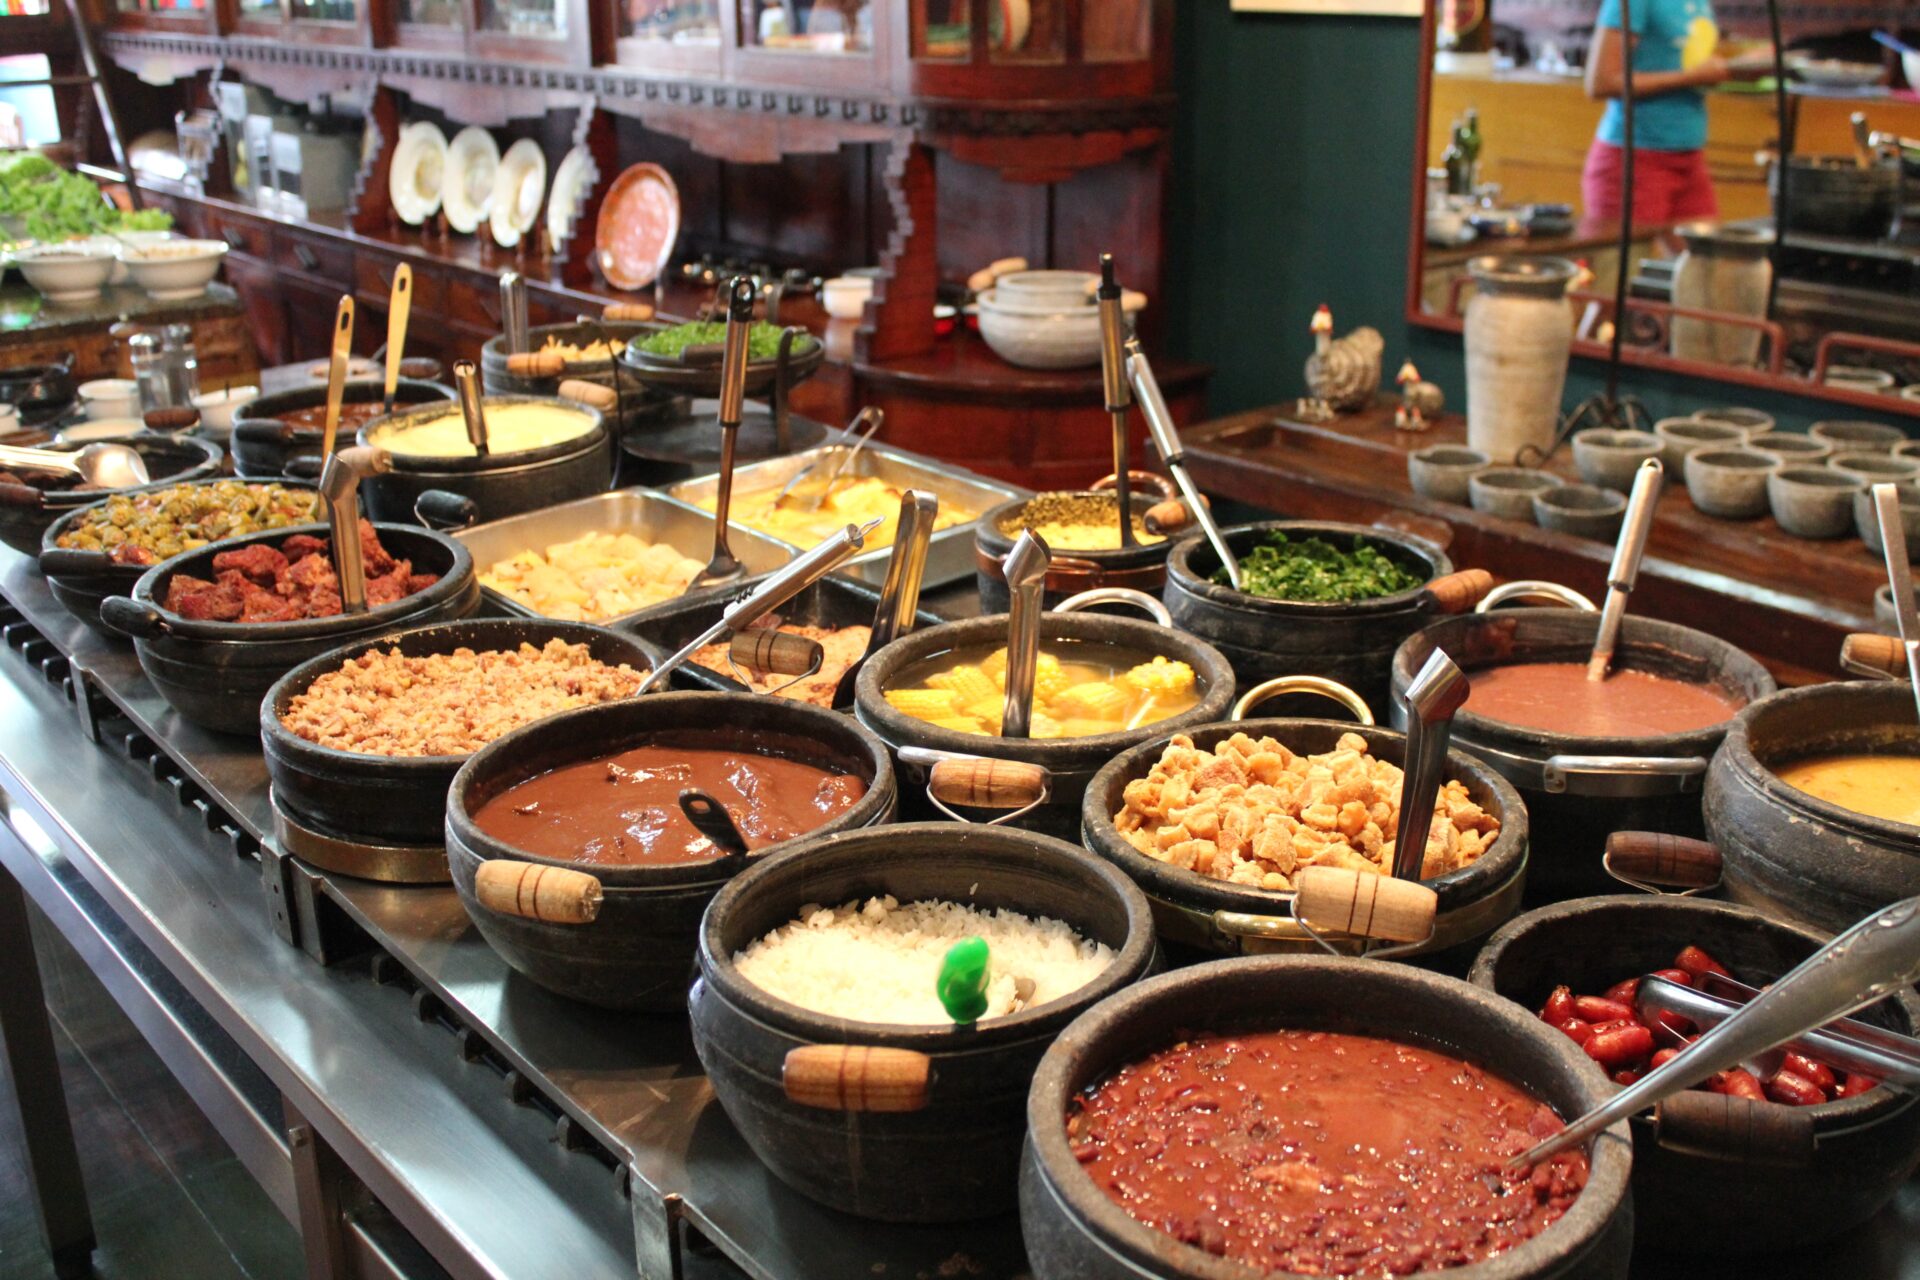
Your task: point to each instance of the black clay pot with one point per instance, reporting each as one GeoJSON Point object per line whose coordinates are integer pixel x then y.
{"type": "Point", "coordinates": [1192, 910]}
{"type": "Point", "coordinates": [958, 1156]}
{"type": "Point", "coordinates": [1351, 642]}
{"type": "Point", "coordinates": [264, 447]}
{"type": "Point", "coordinates": [81, 579]}
{"type": "Point", "coordinates": [40, 392]}
{"type": "Point", "coordinates": [1073, 1230]}
{"type": "Point", "coordinates": [215, 673]}
{"type": "Point", "coordinates": [638, 952]}
{"type": "Point", "coordinates": [1071, 762]}
{"type": "Point", "coordinates": [387, 800]}
{"type": "Point", "coordinates": [500, 484]}
{"type": "Point", "coordinates": [1788, 853]}
{"type": "Point", "coordinates": [1738, 1200]}
{"type": "Point", "coordinates": [1580, 789]}
{"type": "Point", "coordinates": [25, 512]}
{"type": "Point", "coordinates": [639, 404]}
{"type": "Point", "coordinates": [1143, 567]}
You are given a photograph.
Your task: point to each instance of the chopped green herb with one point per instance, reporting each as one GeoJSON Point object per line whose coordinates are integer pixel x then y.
{"type": "Point", "coordinates": [763, 340]}
{"type": "Point", "coordinates": [1313, 569]}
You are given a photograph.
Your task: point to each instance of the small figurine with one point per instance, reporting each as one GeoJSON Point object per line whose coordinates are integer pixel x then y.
{"type": "Point", "coordinates": [1343, 374]}
{"type": "Point", "coordinates": [1419, 400]}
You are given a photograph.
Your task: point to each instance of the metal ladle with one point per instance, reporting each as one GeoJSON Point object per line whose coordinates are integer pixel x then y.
{"type": "Point", "coordinates": [1628, 551]}
{"type": "Point", "coordinates": [711, 819]}
{"type": "Point", "coordinates": [340, 490]}
{"type": "Point", "coordinates": [466, 381]}
{"type": "Point", "coordinates": [900, 589]}
{"type": "Point", "coordinates": [104, 466]}
{"type": "Point", "coordinates": [1026, 572]}
{"type": "Point", "coordinates": [1166, 439]}
{"type": "Point", "coordinates": [1869, 962]}
{"type": "Point", "coordinates": [1437, 691]}
{"type": "Point", "coordinates": [722, 567]}
{"type": "Point", "coordinates": [1893, 537]}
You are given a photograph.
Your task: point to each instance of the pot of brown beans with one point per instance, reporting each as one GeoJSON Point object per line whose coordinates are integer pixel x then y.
{"type": "Point", "coordinates": [1317, 1116]}
{"type": "Point", "coordinates": [1745, 1163]}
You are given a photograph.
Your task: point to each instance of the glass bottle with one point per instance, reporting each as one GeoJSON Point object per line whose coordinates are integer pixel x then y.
{"type": "Point", "coordinates": [183, 363]}
{"type": "Point", "coordinates": [1454, 158]}
{"type": "Point", "coordinates": [1471, 142]}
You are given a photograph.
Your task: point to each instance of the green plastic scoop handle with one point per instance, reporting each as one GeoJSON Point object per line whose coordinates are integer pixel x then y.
{"type": "Point", "coordinates": [962, 984]}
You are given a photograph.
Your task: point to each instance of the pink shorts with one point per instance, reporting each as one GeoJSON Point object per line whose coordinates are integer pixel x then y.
{"type": "Point", "coordinates": [1668, 186]}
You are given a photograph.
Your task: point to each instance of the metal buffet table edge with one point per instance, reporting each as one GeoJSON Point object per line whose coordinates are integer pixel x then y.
{"type": "Point", "coordinates": [410, 1103]}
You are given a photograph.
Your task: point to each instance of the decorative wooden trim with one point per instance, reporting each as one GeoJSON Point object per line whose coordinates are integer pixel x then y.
{"type": "Point", "coordinates": [370, 204]}
{"type": "Point", "coordinates": [898, 320]}
{"type": "Point", "coordinates": [573, 256]}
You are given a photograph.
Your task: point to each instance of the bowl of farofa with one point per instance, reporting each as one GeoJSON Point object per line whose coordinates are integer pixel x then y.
{"type": "Point", "coordinates": [352, 753]}
{"type": "Point", "coordinates": [1211, 802]}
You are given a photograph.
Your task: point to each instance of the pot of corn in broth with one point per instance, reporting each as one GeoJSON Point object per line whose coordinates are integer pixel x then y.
{"type": "Point", "coordinates": [541, 451]}
{"type": "Point", "coordinates": [1102, 685]}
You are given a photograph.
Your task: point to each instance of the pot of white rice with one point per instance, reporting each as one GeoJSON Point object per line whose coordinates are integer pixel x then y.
{"type": "Point", "coordinates": [816, 1018]}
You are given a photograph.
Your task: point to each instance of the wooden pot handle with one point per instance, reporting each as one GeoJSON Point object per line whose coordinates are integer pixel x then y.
{"type": "Point", "coordinates": [854, 1077]}
{"type": "Point", "coordinates": [591, 394]}
{"type": "Point", "coordinates": [551, 895]}
{"type": "Point", "coordinates": [1459, 591]}
{"type": "Point", "coordinates": [775, 652]}
{"type": "Point", "coordinates": [536, 364]}
{"type": "Point", "coordinates": [626, 312]}
{"type": "Point", "coordinates": [1865, 654]}
{"type": "Point", "coordinates": [1170, 517]}
{"type": "Point", "coordinates": [1661, 859]}
{"type": "Point", "coordinates": [1363, 905]}
{"type": "Point", "coordinates": [985, 278]}
{"type": "Point", "coordinates": [1738, 1131]}
{"type": "Point", "coordinates": [170, 418]}
{"type": "Point", "coordinates": [988, 784]}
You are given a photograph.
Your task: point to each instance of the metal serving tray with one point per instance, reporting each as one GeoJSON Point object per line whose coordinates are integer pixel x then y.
{"type": "Point", "coordinates": [949, 557]}
{"type": "Point", "coordinates": [643, 513]}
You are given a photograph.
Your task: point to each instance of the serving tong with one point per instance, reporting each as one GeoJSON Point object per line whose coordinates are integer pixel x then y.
{"type": "Point", "coordinates": [466, 381]}
{"type": "Point", "coordinates": [1113, 383]}
{"type": "Point", "coordinates": [1869, 962]}
{"type": "Point", "coordinates": [399, 307]}
{"type": "Point", "coordinates": [1893, 536]}
{"type": "Point", "coordinates": [865, 423]}
{"type": "Point", "coordinates": [340, 489]}
{"type": "Point", "coordinates": [1166, 439]}
{"type": "Point", "coordinates": [1628, 551]}
{"type": "Point", "coordinates": [776, 590]}
{"type": "Point", "coordinates": [1437, 691]}
{"type": "Point", "coordinates": [722, 567]}
{"type": "Point", "coordinates": [1846, 1043]}
{"type": "Point", "coordinates": [900, 590]}
{"type": "Point", "coordinates": [1025, 568]}
{"type": "Point", "coordinates": [104, 466]}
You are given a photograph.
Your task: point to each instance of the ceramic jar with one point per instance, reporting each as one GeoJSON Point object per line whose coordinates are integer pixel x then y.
{"type": "Point", "coordinates": [1721, 269]}
{"type": "Point", "coordinates": [1519, 333]}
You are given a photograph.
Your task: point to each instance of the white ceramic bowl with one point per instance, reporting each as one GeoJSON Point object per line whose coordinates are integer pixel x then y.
{"type": "Point", "coordinates": [217, 409]}
{"type": "Point", "coordinates": [174, 270]}
{"type": "Point", "coordinates": [65, 273]}
{"type": "Point", "coordinates": [115, 242]}
{"type": "Point", "coordinates": [1045, 288]}
{"type": "Point", "coordinates": [101, 429]}
{"type": "Point", "coordinates": [845, 297]}
{"type": "Point", "coordinates": [110, 398]}
{"type": "Point", "coordinates": [1039, 337]}
{"type": "Point", "coordinates": [9, 419]}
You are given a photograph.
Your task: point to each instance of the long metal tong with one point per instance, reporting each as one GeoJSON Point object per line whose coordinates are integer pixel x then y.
{"type": "Point", "coordinates": [900, 589]}
{"type": "Point", "coordinates": [1113, 382]}
{"type": "Point", "coordinates": [856, 433]}
{"type": "Point", "coordinates": [1437, 691]}
{"type": "Point", "coordinates": [1166, 438]}
{"type": "Point", "coordinates": [1625, 569]}
{"type": "Point", "coordinates": [1867, 963]}
{"type": "Point", "coordinates": [1026, 572]}
{"type": "Point", "coordinates": [1893, 537]}
{"type": "Point", "coordinates": [1848, 1044]}
{"type": "Point", "coordinates": [778, 588]}
{"type": "Point", "coordinates": [733, 394]}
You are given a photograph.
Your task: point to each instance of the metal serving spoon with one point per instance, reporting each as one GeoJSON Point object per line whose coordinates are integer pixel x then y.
{"type": "Point", "coordinates": [1867, 963]}
{"type": "Point", "coordinates": [1113, 383]}
{"type": "Point", "coordinates": [1166, 438]}
{"type": "Point", "coordinates": [104, 466]}
{"type": "Point", "coordinates": [722, 567]}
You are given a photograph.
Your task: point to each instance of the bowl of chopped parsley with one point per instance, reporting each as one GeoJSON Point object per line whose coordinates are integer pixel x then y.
{"type": "Point", "coordinates": [662, 359]}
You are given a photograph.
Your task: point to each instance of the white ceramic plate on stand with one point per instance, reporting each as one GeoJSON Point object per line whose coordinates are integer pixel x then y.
{"type": "Point", "coordinates": [473, 160]}
{"type": "Point", "coordinates": [419, 163]}
{"type": "Point", "coordinates": [572, 179]}
{"type": "Point", "coordinates": [518, 186]}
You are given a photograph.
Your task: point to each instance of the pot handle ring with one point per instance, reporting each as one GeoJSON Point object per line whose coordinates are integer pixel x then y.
{"type": "Point", "coordinates": [1623, 776]}
{"type": "Point", "coordinates": [1326, 688]}
{"type": "Point", "coordinates": [856, 1077]}
{"type": "Point", "coordinates": [532, 891]}
{"type": "Point", "coordinates": [1163, 485]}
{"type": "Point", "coordinates": [1348, 904]}
{"type": "Point", "coordinates": [1117, 595]}
{"type": "Point", "coordinates": [1534, 588]}
{"type": "Point", "coordinates": [1649, 860]}
{"type": "Point", "coordinates": [981, 782]}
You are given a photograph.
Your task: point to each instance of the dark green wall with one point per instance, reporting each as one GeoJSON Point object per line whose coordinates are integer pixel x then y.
{"type": "Point", "coordinates": [1293, 187]}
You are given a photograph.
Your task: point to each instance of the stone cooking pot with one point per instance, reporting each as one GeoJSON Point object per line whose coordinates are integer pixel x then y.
{"type": "Point", "coordinates": [264, 447]}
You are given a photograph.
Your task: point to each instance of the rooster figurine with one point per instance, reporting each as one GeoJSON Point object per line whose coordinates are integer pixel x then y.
{"type": "Point", "coordinates": [1343, 373]}
{"type": "Point", "coordinates": [1419, 400]}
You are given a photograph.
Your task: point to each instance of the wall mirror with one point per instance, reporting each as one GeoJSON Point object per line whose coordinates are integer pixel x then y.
{"type": "Point", "coordinates": [1508, 163]}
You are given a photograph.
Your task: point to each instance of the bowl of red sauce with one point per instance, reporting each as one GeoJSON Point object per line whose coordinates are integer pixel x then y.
{"type": "Point", "coordinates": [1318, 1116]}
{"type": "Point", "coordinates": [593, 793]}
{"type": "Point", "coordinates": [1629, 752]}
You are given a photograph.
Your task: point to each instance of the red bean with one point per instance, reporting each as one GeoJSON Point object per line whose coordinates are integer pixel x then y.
{"type": "Point", "coordinates": [1601, 1009]}
{"type": "Point", "coordinates": [1699, 963]}
{"type": "Point", "coordinates": [1661, 1057]}
{"type": "Point", "coordinates": [1624, 992]}
{"type": "Point", "coordinates": [1737, 1083]}
{"type": "Point", "coordinates": [1581, 1032]}
{"type": "Point", "coordinates": [1559, 1006]}
{"type": "Point", "coordinates": [1680, 976]}
{"type": "Point", "coordinates": [1628, 1075]}
{"type": "Point", "coordinates": [1807, 1069]}
{"type": "Point", "coordinates": [1855, 1084]}
{"type": "Point", "coordinates": [1615, 1044]}
{"type": "Point", "coordinates": [1793, 1089]}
